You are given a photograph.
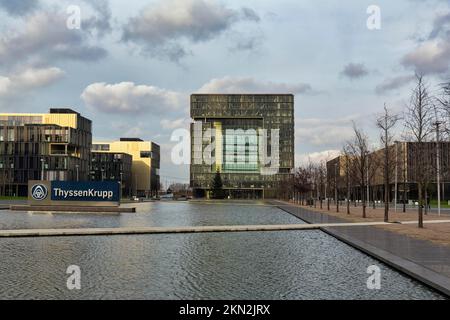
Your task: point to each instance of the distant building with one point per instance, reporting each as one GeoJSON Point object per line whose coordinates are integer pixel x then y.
{"type": "Point", "coordinates": [112, 166]}
{"type": "Point", "coordinates": [145, 163]}
{"type": "Point", "coordinates": [50, 146]}
{"type": "Point", "coordinates": [408, 160]}
{"type": "Point", "coordinates": [231, 123]}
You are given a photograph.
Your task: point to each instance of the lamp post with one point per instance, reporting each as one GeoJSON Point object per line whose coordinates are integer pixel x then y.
{"type": "Point", "coordinates": [121, 175]}
{"type": "Point", "coordinates": [438, 169]}
{"type": "Point", "coordinates": [396, 175]}
{"type": "Point", "coordinates": [404, 164]}
{"type": "Point", "coordinates": [367, 180]}
{"type": "Point", "coordinates": [336, 187]}
{"type": "Point", "coordinates": [42, 168]}
{"type": "Point", "coordinates": [76, 167]}
{"type": "Point", "coordinates": [4, 182]}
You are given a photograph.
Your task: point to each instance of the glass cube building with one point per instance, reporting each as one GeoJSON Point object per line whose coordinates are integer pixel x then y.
{"type": "Point", "coordinates": [248, 138]}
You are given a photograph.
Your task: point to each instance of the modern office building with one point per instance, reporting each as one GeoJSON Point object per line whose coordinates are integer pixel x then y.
{"type": "Point", "coordinates": [145, 162]}
{"type": "Point", "coordinates": [231, 133]}
{"type": "Point", "coordinates": [112, 166]}
{"type": "Point", "coordinates": [51, 146]}
{"type": "Point", "coordinates": [410, 161]}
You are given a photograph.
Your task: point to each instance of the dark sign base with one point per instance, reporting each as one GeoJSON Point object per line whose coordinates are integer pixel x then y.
{"type": "Point", "coordinates": [71, 208]}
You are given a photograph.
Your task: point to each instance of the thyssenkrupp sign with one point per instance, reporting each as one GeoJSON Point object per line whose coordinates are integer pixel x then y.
{"type": "Point", "coordinates": [92, 193]}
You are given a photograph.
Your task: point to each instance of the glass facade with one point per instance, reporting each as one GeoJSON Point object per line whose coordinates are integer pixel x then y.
{"type": "Point", "coordinates": [111, 166]}
{"type": "Point", "coordinates": [240, 150]}
{"type": "Point", "coordinates": [32, 149]}
{"type": "Point", "coordinates": [226, 136]}
{"type": "Point", "coordinates": [145, 163]}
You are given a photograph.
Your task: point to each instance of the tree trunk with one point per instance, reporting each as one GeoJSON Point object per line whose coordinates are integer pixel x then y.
{"type": "Point", "coordinates": [348, 199]}
{"type": "Point", "coordinates": [386, 202]}
{"type": "Point", "coordinates": [419, 186]}
{"type": "Point", "coordinates": [363, 203]}
{"type": "Point", "coordinates": [404, 197]}
{"type": "Point", "coordinates": [374, 202]}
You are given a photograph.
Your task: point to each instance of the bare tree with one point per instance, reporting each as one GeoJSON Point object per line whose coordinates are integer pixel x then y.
{"type": "Point", "coordinates": [444, 105]}
{"type": "Point", "coordinates": [302, 183]}
{"type": "Point", "coordinates": [386, 123]}
{"type": "Point", "coordinates": [374, 163]}
{"type": "Point", "coordinates": [359, 150]}
{"type": "Point", "coordinates": [418, 121]}
{"type": "Point", "coordinates": [320, 181]}
{"type": "Point", "coordinates": [346, 151]}
{"type": "Point", "coordinates": [443, 121]}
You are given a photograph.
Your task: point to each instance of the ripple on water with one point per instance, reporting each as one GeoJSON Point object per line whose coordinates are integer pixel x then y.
{"type": "Point", "coordinates": [248, 265]}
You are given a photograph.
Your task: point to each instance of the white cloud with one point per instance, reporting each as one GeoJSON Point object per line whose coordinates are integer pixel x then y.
{"type": "Point", "coordinates": [160, 27]}
{"type": "Point", "coordinates": [20, 82]}
{"type": "Point", "coordinates": [250, 85]}
{"type": "Point", "coordinates": [45, 38]}
{"type": "Point", "coordinates": [324, 132]}
{"type": "Point", "coordinates": [430, 57]}
{"type": "Point", "coordinates": [316, 157]}
{"type": "Point", "coordinates": [174, 124]}
{"type": "Point", "coordinates": [127, 97]}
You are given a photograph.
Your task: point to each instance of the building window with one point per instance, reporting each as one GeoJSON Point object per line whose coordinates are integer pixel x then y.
{"type": "Point", "coordinates": [146, 154]}
{"type": "Point", "coordinates": [100, 147]}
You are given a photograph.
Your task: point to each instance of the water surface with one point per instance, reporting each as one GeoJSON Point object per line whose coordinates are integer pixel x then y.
{"type": "Point", "coordinates": [247, 265]}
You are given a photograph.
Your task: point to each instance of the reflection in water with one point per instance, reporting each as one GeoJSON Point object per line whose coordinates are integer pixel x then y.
{"type": "Point", "coordinates": [253, 265]}
{"type": "Point", "coordinates": [160, 214]}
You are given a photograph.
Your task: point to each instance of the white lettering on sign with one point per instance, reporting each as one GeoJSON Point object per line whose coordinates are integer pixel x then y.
{"type": "Point", "coordinates": [104, 194]}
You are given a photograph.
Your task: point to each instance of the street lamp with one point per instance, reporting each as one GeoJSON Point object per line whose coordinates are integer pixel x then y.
{"type": "Point", "coordinates": [42, 168]}
{"type": "Point", "coordinates": [336, 187]}
{"type": "Point", "coordinates": [78, 177]}
{"type": "Point", "coordinates": [367, 181]}
{"type": "Point", "coordinates": [121, 175]}
{"type": "Point", "coordinates": [396, 174]}
{"type": "Point", "coordinates": [438, 169]}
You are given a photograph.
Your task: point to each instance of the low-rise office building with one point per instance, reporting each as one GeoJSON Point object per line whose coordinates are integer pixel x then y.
{"type": "Point", "coordinates": [51, 146]}
{"type": "Point", "coordinates": [112, 166]}
{"type": "Point", "coordinates": [410, 162]}
{"type": "Point", "coordinates": [145, 163]}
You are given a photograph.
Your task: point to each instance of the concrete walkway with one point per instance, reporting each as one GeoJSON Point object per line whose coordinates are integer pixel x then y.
{"type": "Point", "coordinates": [188, 229]}
{"type": "Point", "coordinates": [423, 260]}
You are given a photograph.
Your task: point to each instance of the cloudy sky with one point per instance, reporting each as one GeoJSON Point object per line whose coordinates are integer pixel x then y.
{"type": "Point", "coordinates": [133, 64]}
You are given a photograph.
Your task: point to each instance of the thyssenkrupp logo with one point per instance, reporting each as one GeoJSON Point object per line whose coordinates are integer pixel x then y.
{"type": "Point", "coordinates": [39, 192]}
